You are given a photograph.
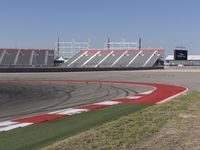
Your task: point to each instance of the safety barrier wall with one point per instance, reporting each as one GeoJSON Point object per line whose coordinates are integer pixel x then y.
{"type": "Point", "coordinates": [57, 69]}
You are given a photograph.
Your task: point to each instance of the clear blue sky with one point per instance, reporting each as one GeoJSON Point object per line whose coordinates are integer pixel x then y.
{"type": "Point", "coordinates": [160, 23]}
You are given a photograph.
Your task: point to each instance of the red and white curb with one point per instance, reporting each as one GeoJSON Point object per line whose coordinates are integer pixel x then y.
{"type": "Point", "coordinates": [9, 125]}
{"type": "Point", "coordinates": [160, 93]}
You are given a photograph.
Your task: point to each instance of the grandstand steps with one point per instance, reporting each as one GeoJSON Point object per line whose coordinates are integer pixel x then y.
{"type": "Point", "coordinates": [16, 58]}
{"type": "Point", "coordinates": [119, 58]}
{"type": "Point", "coordinates": [132, 60]}
{"type": "Point", "coordinates": [2, 55]}
{"type": "Point", "coordinates": [152, 59]}
{"type": "Point", "coordinates": [31, 58]}
{"type": "Point", "coordinates": [103, 59]}
{"type": "Point", "coordinates": [76, 58]}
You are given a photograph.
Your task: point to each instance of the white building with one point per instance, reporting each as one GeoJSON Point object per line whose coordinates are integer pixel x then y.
{"type": "Point", "coordinates": [192, 60]}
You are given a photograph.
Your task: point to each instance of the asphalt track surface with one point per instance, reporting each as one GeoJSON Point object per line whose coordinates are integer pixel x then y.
{"type": "Point", "coordinates": [24, 98]}
{"type": "Point", "coordinates": [21, 99]}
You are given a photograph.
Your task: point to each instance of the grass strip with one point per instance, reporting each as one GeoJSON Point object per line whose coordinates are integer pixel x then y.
{"type": "Point", "coordinates": [40, 135]}
{"type": "Point", "coordinates": [128, 130]}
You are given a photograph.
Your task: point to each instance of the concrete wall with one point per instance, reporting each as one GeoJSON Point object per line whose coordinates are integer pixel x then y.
{"type": "Point", "coordinates": [57, 69]}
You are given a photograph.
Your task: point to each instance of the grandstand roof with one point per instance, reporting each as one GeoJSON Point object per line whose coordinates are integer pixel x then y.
{"type": "Point", "coordinates": [23, 49]}
{"type": "Point", "coordinates": [123, 50]}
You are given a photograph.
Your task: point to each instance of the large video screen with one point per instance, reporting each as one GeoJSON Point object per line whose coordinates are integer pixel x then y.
{"type": "Point", "coordinates": [180, 54]}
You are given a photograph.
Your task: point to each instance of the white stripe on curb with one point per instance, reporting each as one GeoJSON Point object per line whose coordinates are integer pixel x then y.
{"type": "Point", "coordinates": [147, 92]}
{"type": "Point", "coordinates": [10, 127]}
{"type": "Point", "coordinates": [69, 111]}
{"type": "Point", "coordinates": [133, 97]}
{"type": "Point", "coordinates": [108, 103]}
{"type": "Point", "coordinates": [7, 123]}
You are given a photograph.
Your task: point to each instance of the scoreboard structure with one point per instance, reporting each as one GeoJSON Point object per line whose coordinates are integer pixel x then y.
{"type": "Point", "coordinates": [180, 54]}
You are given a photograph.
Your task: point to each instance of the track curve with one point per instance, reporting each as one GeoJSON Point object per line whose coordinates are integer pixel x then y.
{"type": "Point", "coordinates": [20, 98]}
{"type": "Point", "coordinates": [159, 93]}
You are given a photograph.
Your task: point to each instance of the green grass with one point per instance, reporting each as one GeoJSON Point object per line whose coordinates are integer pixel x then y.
{"type": "Point", "coordinates": [126, 131]}
{"type": "Point", "coordinates": [40, 135]}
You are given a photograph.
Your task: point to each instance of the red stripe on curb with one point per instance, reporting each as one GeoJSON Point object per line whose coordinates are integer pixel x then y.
{"type": "Point", "coordinates": [161, 93]}
{"type": "Point", "coordinates": [39, 118]}
{"type": "Point", "coordinates": [126, 100]}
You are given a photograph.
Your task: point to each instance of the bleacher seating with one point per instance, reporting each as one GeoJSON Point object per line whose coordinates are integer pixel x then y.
{"type": "Point", "coordinates": [39, 57]}
{"type": "Point", "coordinates": [75, 57]}
{"type": "Point", "coordinates": [50, 57]}
{"type": "Point", "coordinates": [83, 59]}
{"type": "Point", "coordinates": [115, 58]}
{"type": "Point", "coordinates": [153, 58]}
{"type": "Point", "coordinates": [96, 61]}
{"type": "Point", "coordinates": [123, 62]}
{"type": "Point", "coordinates": [1, 53]}
{"type": "Point", "coordinates": [112, 58]}
{"type": "Point", "coordinates": [9, 57]}
{"type": "Point", "coordinates": [141, 59]}
{"type": "Point", "coordinates": [26, 57]}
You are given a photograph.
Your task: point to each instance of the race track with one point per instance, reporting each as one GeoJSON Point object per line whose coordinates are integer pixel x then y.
{"type": "Point", "coordinates": [21, 99]}
{"type": "Point", "coordinates": [24, 98]}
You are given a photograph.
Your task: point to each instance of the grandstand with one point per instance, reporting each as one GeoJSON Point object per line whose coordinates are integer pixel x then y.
{"type": "Point", "coordinates": [113, 58]}
{"type": "Point", "coordinates": [26, 57]}
{"type": "Point", "coordinates": [77, 56]}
